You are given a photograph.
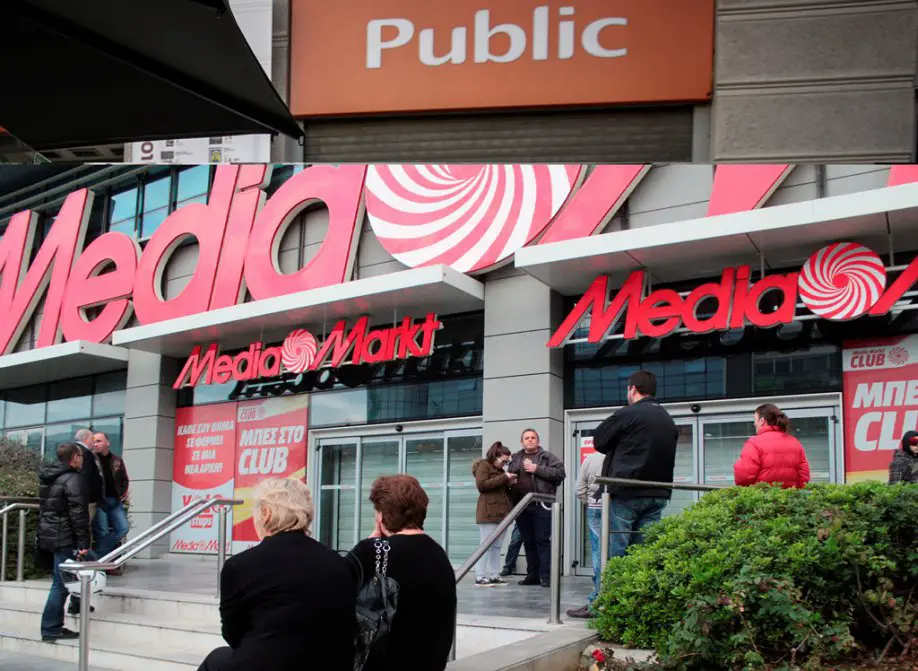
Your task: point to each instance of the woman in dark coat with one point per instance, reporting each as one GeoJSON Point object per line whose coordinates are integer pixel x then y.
{"type": "Point", "coordinates": [904, 464]}
{"type": "Point", "coordinates": [286, 604]}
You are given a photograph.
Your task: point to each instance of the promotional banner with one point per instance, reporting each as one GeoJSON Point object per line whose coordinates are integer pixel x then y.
{"type": "Point", "coordinates": [205, 443]}
{"type": "Point", "coordinates": [881, 403]}
{"type": "Point", "coordinates": [270, 443]}
{"type": "Point", "coordinates": [586, 447]}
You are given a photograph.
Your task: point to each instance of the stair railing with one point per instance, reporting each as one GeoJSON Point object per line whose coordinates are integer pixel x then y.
{"type": "Point", "coordinates": [23, 505]}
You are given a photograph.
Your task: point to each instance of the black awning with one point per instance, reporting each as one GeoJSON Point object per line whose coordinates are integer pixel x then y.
{"type": "Point", "coordinates": [77, 73]}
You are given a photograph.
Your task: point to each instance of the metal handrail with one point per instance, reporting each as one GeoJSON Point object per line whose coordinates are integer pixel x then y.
{"type": "Point", "coordinates": [555, 606]}
{"type": "Point", "coordinates": [606, 500]}
{"type": "Point", "coordinates": [23, 507]}
{"type": "Point", "coordinates": [120, 555]}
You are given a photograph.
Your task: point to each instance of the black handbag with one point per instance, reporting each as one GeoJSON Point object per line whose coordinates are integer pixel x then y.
{"type": "Point", "coordinates": [377, 601]}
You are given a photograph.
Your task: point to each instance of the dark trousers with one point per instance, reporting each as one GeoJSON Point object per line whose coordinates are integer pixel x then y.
{"type": "Point", "coordinates": [217, 660]}
{"type": "Point", "coordinates": [513, 550]}
{"type": "Point", "coordinates": [535, 530]}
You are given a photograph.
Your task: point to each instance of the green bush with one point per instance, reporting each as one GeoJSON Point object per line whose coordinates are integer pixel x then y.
{"type": "Point", "coordinates": [761, 577]}
{"type": "Point", "coordinates": [19, 477]}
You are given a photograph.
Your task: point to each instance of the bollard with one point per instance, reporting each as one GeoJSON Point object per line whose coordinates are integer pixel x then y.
{"type": "Point", "coordinates": [85, 594]}
{"type": "Point", "coordinates": [554, 616]}
{"type": "Point", "coordinates": [20, 552]}
{"type": "Point", "coordinates": [605, 523]}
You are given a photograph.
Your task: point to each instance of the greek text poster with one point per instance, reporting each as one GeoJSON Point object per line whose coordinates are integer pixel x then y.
{"type": "Point", "coordinates": [270, 443]}
{"type": "Point", "coordinates": [204, 449]}
{"type": "Point", "coordinates": [881, 403]}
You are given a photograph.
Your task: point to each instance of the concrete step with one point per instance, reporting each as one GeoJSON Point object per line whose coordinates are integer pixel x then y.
{"type": "Point", "coordinates": [10, 661]}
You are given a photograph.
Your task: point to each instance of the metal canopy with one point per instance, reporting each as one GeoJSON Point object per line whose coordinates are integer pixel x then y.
{"type": "Point", "coordinates": [98, 72]}
{"type": "Point", "coordinates": [60, 362]}
{"type": "Point", "coordinates": [385, 299]}
{"type": "Point", "coordinates": [782, 236]}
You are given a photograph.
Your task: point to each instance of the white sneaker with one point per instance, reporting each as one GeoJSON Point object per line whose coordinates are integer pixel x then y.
{"type": "Point", "coordinates": [483, 582]}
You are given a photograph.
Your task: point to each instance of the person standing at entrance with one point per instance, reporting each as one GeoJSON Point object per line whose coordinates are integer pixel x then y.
{"type": "Point", "coordinates": [540, 472]}
{"type": "Point", "coordinates": [772, 455]}
{"type": "Point", "coordinates": [110, 525]}
{"type": "Point", "coordinates": [588, 493]}
{"type": "Point", "coordinates": [92, 471]}
{"type": "Point", "coordinates": [639, 443]}
{"type": "Point", "coordinates": [63, 529]}
{"type": "Point", "coordinates": [904, 464]}
{"type": "Point", "coordinates": [493, 506]}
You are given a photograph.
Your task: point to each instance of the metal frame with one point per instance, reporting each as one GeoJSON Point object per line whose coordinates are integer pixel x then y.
{"type": "Point", "coordinates": [682, 413]}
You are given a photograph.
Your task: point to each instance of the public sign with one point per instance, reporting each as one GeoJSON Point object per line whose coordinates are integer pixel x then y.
{"type": "Point", "coordinates": [270, 443]}
{"type": "Point", "coordinates": [840, 282]}
{"type": "Point", "coordinates": [301, 352]}
{"type": "Point", "coordinates": [880, 379]}
{"type": "Point", "coordinates": [382, 56]}
{"type": "Point", "coordinates": [202, 465]}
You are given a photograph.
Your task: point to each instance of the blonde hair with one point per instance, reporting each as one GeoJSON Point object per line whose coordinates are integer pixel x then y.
{"type": "Point", "coordinates": [289, 502]}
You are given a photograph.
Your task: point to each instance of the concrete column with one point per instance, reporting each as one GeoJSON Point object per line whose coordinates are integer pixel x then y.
{"type": "Point", "coordinates": [149, 425]}
{"type": "Point", "coordinates": [523, 379]}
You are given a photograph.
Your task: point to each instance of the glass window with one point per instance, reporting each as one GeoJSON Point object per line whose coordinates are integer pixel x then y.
{"type": "Point", "coordinates": [723, 442]}
{"type": "Point", "coordinates": [124, 211]}
{"type": "Point", "coordinates": [156, 201]}
{"type": "Point", "coordinates": [113, 427]}
{"type": "Point", "coordinates": [193, 184]}
{"type": "Point", "coordinates": [96, 225]}
{"type": "Point", "coordinates": [32, 438]}
{"type": "Point", "coordinates": [26, 406]}
{"type": "Point", "coordinates": [684, 471]}
{"type": "Point", "coordinates": [462, 532]}
{"type": "Point", "coordinates": [338, 408]}
{"type": "Point", "coordinates": [818, 368]}
{"type": "Point", "coordinates": [424, 460]}
{"type": "Point", "coordinates": [377, 457]}
{"type": "Point", "coordinates": [338, 498]}
{"type": "Point", "coordinates": [2, 412]}
{"type": "Point", "coordinates": [58, 434]}
{"type": "Point", "coordinates": [108, 394]}
{"type": "Point", "coordinates": [813, 434]}
{"type": "Point", "coordinates": [70, 399]}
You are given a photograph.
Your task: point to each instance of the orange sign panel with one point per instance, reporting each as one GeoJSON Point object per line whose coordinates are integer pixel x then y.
{"type": "Point", "coordinates": [379, 56]}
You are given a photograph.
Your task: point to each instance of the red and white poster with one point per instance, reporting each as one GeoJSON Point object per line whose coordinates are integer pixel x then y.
{"type": "Point", "coordinates": [205, 445]}
{"type": "Point", "coordinates": [586, 447]}
{"type": "Point", "coordinates": [881, 403]}
{"type": "Point", "coordinates": [270, 443]}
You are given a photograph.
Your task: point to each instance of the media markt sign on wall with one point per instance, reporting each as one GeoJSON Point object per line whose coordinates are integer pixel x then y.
{"type": "Point", "coordinates": [378, 56]}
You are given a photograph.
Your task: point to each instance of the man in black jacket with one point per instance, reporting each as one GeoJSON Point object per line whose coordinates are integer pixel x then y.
{"type": "Point", "coordinates": [639, 442]}
{"type": "Point", "coordinates": [540, 472]}
{"type": "Point", "coordinates": [91, 470]}
{"type": "Point", "coordinates": [63, 529]}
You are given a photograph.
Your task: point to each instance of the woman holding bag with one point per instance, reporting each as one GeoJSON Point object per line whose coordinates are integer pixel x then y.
{"type": "Point", "coordinates": [493, 506]}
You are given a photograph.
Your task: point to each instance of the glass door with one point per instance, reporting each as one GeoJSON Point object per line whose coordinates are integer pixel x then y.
{"type": "Point", "coordinates": [337, 520]}
{"type": "Point", "coordinates": [462, 537]}
{"type": "Point", "coordinates": [378, 456]}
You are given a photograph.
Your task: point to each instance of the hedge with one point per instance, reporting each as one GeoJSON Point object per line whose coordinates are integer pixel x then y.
{"type": "Point", "coordinates": [761, 577]}
{"type": "Point", "coordinates": [19, 477]}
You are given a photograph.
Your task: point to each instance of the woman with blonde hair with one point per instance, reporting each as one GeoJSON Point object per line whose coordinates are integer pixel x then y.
{"type": "Point", "coordinates": [288, 602]}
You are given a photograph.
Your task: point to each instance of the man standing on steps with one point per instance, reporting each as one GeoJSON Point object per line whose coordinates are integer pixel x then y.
{"type": "Point", "coordinates": [540, 472]}
{"type": "Point", "coordinates": [92, 471]}
{"type": "Point", "coordinates": [63, 529]}
{"type": "Point", "coordinates": [110, 525]}
{"type": "Point", "coordinates": [639, 443]}
{"type": "Point", "coordinates": [513, 551]}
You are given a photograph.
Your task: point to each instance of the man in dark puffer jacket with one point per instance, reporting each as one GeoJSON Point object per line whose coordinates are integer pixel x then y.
{"type": "Point", "coordinates": [63, 528]}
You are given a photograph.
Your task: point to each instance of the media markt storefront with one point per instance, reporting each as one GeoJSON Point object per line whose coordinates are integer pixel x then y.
{"type": "Point", "coordinates": [823, 326]}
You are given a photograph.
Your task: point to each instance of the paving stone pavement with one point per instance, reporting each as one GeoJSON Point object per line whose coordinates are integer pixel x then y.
{"type": "Point", "coordinates": [12, 662]}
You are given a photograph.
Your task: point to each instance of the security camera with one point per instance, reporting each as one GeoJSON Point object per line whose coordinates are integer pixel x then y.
{"type": "Point", "coordinates": [399, 428]}
{"type": "Point", "coordinates": [695, 408]}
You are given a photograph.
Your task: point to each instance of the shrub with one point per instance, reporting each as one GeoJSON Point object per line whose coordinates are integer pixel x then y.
{"type": "Point", "coordinates": [19, 478]}
{"type": "Point", "coordinates": [761, 577]}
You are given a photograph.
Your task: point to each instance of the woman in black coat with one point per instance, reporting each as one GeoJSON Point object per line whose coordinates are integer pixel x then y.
{"type": "Point", "coordinates": [287, 603]}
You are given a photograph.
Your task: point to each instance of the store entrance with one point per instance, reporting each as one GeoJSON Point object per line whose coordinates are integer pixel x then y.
{"type": "Point", "coordinates": [346, 466]}
{"type": "Point", "coordinates": [709, 444]}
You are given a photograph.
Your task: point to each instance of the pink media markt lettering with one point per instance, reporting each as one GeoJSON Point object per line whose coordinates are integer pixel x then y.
{"type": "Point", "coordinates": [840, 282]}
{"type": "Point", "coordinates": [301, 352]}
{"type": "Point", "coordinates": [204, 450]}
{"type": "Point", "coordinates": [270, 443]}
{"type": "Point", "coordinates": [880, 402]}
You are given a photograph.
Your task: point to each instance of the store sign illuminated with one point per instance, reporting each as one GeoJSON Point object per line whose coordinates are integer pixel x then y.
{"type": "Point", "coordinates": [301, 352]}
{"type": "Point", "coordinates": [840, 282]}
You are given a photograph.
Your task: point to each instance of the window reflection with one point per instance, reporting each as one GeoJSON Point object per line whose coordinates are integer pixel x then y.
{"type": "Point", "coordinates": [156, 201]}
{"type": "Point", "coordinates": [26, 406]}
{"type": "Point", "coordinates": [69, 399]}
{"type": "Point", "coordinates": [123, 211]}
{"type": "Point", "coordinates": [193, 184]}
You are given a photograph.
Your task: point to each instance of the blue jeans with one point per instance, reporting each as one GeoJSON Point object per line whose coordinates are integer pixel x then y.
{"type": "Point", "coordinates": [109, 513]}
{"type": "Point", "coordinates": [52, 619]}
{"type": "Point", "coordinates": [629, 518]}
{"type": "Point", "coordinates": [594, 522]}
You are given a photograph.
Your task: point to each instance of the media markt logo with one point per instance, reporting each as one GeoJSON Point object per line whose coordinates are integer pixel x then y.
{"type": "Point", "coordinates": [897, 355]}
{"type": "Point", "coordinates": [301, 352]}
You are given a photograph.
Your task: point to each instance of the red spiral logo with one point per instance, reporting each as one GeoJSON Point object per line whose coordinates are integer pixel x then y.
{"type": "Point", "coordinates": [469, 217]}
{"type": "Point", "coordinates": [299, 351]}
{"type": "Point", "coordinates": [898, 355]}
{"type": "Point", "coordinates": [842, 281]}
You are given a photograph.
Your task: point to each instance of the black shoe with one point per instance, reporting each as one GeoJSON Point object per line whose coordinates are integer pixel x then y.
{"type": "Point", "coordinates": [506, 572]}
{"type": "Point", "coordinates": [530, 580]}
{"type": "Point", "coordinates": [583, 613]}
{"type": "Point", "coordinates": [71, 610]}
{"type": "Point", "coordinates": [545, 582]}
{"type": "Point", "coordinates": [65, 635]}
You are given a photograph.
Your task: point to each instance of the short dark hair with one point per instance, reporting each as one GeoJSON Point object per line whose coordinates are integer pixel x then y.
{"type": "Point", "coordinates": [67, 451]}
{"type": "Point", "coordinates": [401, 500]}
{"type": "Point", "coordinates": [102, 433]}
{"type": "Point", "coordinates": [498, 449]}
{"type": "Point", "coordinates": [644, 381]}
{"type": "Point", "coordinates": [525, 431]}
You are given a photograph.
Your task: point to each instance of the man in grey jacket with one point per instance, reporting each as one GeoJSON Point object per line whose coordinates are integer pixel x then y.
{"type": "Point", "coordinates": [540, 472]}
{"type": "Point", "coordinates": [588, 493]}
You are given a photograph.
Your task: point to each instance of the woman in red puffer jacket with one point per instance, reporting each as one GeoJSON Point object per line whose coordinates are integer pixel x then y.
{"type": "Point", "coordinates": [772, 455]}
